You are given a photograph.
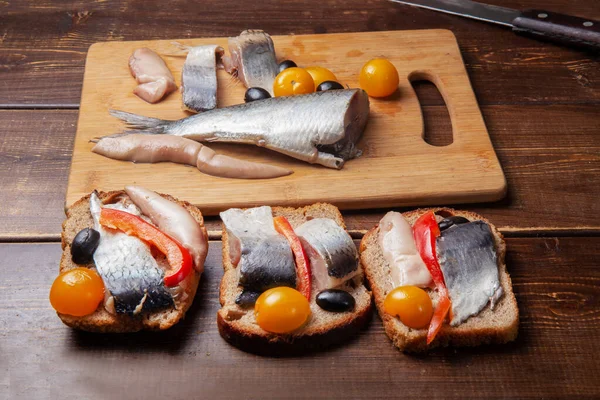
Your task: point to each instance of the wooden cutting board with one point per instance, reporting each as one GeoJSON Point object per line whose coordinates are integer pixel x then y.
{"type": "Point", "coordinates": [397, 168]}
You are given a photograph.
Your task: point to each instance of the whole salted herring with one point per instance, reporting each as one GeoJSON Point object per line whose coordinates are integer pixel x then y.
{"type": "Point", "coordinates": [319, 128]}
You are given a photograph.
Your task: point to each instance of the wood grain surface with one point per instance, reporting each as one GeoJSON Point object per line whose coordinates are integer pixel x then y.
{"type": "Point", "coordinates": [550, 155]}
{"type": "Point", "coordinates": [539, 101]}
{"type": "Point", "coordinates": [44, 42]}
{"type": "Point", "coordinates": [555, 280]}
{"type": "Point", "coordinates": [396, 167]}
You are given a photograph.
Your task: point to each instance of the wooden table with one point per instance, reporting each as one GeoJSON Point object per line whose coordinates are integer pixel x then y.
{"type": "Point", "coordinates": [542, 107]}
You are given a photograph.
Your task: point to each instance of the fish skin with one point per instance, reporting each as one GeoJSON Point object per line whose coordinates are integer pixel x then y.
{"type": "Point", "coordinates": [263, 257]}
{"type": "Point", "coordinates": [199, 78]}
{"type": "Point", "coordinates": [321, 127]}
{"type": "Point", "coordinates": [141, 148]}
{"type": "Point", "coordinates": [151, 72]}
{"type": "Point", "coordinates": [127, 267]}
{"type": "Point", "coordinates": [469, 261]}
{"type": "Point", "coordinates": [253, 59]}
{"type": "Point", "coordinates": [333, 255]}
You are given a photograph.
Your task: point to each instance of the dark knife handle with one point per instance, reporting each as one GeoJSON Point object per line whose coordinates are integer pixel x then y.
{"type": "Point", "coordinates": [561, 28]}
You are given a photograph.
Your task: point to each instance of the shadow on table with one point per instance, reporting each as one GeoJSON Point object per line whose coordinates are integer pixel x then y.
{"type": "Point", "coordinates": [460, 355]}
{"type": "Point", "coordinates": [172, 340]}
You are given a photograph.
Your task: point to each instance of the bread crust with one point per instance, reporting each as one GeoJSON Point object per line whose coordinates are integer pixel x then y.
{"type": "Point", "coordinates": [245, 334]}
{"type": "Point", "coordinates": [79, 217]}
{"type": "Point", "coordinates": [484, 328]}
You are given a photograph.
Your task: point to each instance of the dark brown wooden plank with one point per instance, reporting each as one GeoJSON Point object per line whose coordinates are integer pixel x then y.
{"type": "Point", "coordinates": [44, 43]}
{"type": "Point", "coordinates": [556, 281]}
{"type": "Point", "coordinates": [35, 154]}
{"type": "Point", "coordinates": [550, 155]}
{"type": "Point", "coordinates": [551, 159]}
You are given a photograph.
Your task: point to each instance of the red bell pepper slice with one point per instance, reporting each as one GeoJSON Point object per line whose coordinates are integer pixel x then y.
{"type": "Point", "coordinates": [178, 256]}
{"type": "Point", "coordinates": [282, 225]}
{"type": "Point", "coordinates": [425, 232]}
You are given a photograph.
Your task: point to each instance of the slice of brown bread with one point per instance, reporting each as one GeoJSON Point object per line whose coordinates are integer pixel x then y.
{"type": "Point", "coordinates": [79, 217]}
{"type": "Point", "coordinates": [238, 325]}
{"type": "Point", "coordinates": [489, 326]}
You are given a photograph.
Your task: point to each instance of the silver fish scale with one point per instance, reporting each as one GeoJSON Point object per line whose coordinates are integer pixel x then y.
{"type": "Point", "coordinates": [332, 243]}
{"type": "Point", "coordinates": [266, 262]}
{"type": "Point", "coordinates": [128, 269]}
{"type": "Point", "coordinates": [469, 263]}
{"type": "Point", "coordinates": [199, 78]}
{"type": "Point", "coordinates": [254, 53]}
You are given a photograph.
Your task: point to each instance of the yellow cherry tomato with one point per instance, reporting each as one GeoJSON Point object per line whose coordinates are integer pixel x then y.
{"type": "Point", "coordinates": [77, 292]}
{"type": "Point", "coordinates": [281, 310]}
{"type": "Point", "coordinates": [379, 78]}
{"type": "Point", "coordinates": [411, 304]}
{"type": "Point", "coordinates": [293, 81]}
{"type": "Point", "coordinates": [320, 75]}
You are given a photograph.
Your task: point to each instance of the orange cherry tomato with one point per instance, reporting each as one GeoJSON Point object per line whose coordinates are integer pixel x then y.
{"type": "Point", "coordinates": [320, 75]}
{"type": "Point", "coordinates": [281, 310]}
{"type": "Point", "coordinates": [292, 81]}
{"type": "Point", "coordinates": [411, 304]}
{"type": "Point", "coordinates": [379, 78]}
{"type": "Point", "coordinates": [77, 292]}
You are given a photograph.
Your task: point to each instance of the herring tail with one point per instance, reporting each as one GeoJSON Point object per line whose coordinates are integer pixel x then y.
{"type": "Point", "coordinates": [140, 124]}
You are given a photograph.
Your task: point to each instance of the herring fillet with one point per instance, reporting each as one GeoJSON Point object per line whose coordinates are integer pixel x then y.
{"type": "Point", "coordinates": [333, 255]}
{"type": "Point", "coordinates": [253, 59]}
{"type": "Point", "coordinates": [128, 269]}
{"type": "Point", "coordinates": [469, 261]}
{"type": "Point", "coordinates": [263, 258]}
{"type": "Point", "coordinates": [199, 78]}
{"type": "Point", "coordinates": [319, 128]}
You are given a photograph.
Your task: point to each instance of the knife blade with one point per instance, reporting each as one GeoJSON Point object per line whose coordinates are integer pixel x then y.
{"type": "Point", "coordinates": [560, 28]}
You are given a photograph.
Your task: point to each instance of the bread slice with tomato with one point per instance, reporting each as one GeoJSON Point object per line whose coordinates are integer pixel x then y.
{"type": "Point", "coordinates": [138, 273]}
{"type": "Point", "coordinates": [269, 303]}
{"type": "Point", "coordinates": [466, 300]}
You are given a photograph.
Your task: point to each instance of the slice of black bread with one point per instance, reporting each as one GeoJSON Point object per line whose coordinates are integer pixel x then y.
{"type": "Point", "coordinates": [489, 326]}
{"type": "Point", "coordinates": [238, 325]}
{"type": "Point", "coordinates": [79, 217]}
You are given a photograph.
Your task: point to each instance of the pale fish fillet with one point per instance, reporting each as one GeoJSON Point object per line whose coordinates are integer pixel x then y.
{"type": "Point", "coordinates": [150, 71]}
{"type": "Point", "coordinates": [400, 251]}
{"type": "Point", "coordinates": [141, 148]}
{"type": "Point", "coordinates": [319, 128]}
{"type": "Point", "coordinates": [252, 59]}
{"type": "Point", "coordinates": [127, 267]}
{"type": "Point", "coordinates": [332, 253]}
{"type": "Point", "coordinates": [199, 77]}
{"type": "Point", "coordinates": [174, 220]}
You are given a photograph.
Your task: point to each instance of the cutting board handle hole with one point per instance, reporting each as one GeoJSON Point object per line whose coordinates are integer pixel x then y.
{"type": "Point", "coordinates": [437, 126]}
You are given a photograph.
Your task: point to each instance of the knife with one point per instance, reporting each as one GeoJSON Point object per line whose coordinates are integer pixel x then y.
{"type": "Point", "coordinates": [560, 28]}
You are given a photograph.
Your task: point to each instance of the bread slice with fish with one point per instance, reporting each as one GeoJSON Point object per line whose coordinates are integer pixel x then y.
{"type": "Point", "coordinates": [470, 252]}
{"type": "Point", "coordinates": [256, 257]}
{"type": "Point", "coordinates": [134, 274]}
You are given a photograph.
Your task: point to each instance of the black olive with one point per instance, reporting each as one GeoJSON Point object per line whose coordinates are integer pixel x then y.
{"type": "Point", "coordinates": [256, 93]}
{"type": "Point", "coordinates": [247, 298]}
{"type": "Point", "coordinates": [453, 220]}
{"type": "Point", "coordinates": [84, 245]}
{"type": "Point", "coordinates": [335, 300]}
{"type": "Point", "coordinates": [329, 85]}
{"type": "Point", "coordinates": [286, 64]}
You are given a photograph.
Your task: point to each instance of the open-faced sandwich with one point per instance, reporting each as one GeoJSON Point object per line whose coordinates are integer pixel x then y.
{"type": "Point", "coordinates": [439, 278]}
{"type": "Point", "coordinates": [292, 279]}
{"type": "Point", "coordinates": [131, 260]}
